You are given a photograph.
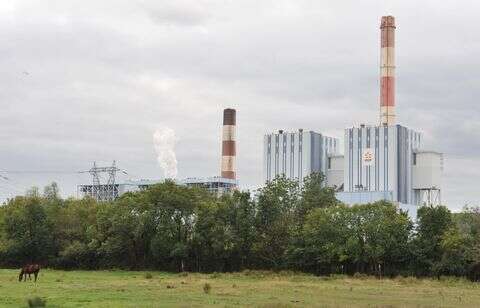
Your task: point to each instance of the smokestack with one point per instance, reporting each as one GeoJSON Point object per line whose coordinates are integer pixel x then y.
{"type": "Point", "coordinates": [228, 144]}
{"type": "Point", "coordinates": [387, 71]}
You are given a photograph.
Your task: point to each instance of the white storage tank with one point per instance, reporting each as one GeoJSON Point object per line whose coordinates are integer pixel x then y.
{"type": "Point", "coordinates": [427, 170]}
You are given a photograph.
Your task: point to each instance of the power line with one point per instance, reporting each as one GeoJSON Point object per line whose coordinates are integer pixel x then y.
{"type": "Point", "coordinates": [38, 172]}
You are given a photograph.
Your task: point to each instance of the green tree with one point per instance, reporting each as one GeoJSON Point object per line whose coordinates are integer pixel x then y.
{"type": "Point", "coordinates": [25, 231]}
{"type": "Point", "coordinates": [324, 235]}
{"type": "Point", "coordinates": [213, 237]}
{"type": "Point", "coordinates": [433, 223]}
{"type": "Point", "coordinates": [173, 208]}
{"type": "Point", "coordinates": [123, 232]}
{"type": "Point", "coordinates": [468, 224]}
{"type": "Point", "coordinates": [457, 253]}
{"type": "Point", "coordinates": [370, 238]}
{"type": "Point", "coordinates": [314, 194]}
{"type": "Point", "coordinates": [51, 192]}
{"type": "Point", "coordinates": [381, 233]}
{"type": "Point", "coordinates": [73, 228]}
{"type": "Point", "coordinates": [275, 221]}
{"type": "Point", "coordinates": [241, 222]}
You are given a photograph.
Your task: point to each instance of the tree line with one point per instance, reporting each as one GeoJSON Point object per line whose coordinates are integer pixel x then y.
{"type": "Point", "coordinates": [282, 226]}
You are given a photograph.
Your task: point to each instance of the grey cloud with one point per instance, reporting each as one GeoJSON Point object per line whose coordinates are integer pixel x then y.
{"type": "Point", "coordinates": [103, 75]}
{"type": "Point", "coordinates": [178, 13]}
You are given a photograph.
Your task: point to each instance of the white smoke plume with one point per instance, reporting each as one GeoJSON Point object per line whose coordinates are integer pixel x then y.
{"type": "Point", "coordinates": [164, 143]}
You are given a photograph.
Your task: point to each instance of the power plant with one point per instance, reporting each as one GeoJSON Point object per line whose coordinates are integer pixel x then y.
{"type": "Point", "coordinates": [385, 161]}
{"type": "Point", "coordinates": [380, 162]}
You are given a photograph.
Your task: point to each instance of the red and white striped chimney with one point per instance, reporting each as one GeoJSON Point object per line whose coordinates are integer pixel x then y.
{"type": "Point", "coordinates": [228, 144]}
{"type": "Point", "coordinates": [387, 71]}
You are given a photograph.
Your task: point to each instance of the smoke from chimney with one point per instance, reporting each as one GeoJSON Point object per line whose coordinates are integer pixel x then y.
{"type": "Point", "coordinates": [228, 144]}
{"type": "Point", "coordinates": [164, 143]}
{"type": "Point", "coordinates": [387, 71]}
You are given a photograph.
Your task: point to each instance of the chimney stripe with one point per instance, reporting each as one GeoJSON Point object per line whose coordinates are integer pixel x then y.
{"type": "Point", "coordinates": [387, 85]}
{"type": "Point", "coordinates": [228, 163]}
{"type": "Point", "coordinates": [228, 174]}
{"type": "Point", "coordinates": [228, 148]}
{"type": "Point", "coordinates": [228, 132]}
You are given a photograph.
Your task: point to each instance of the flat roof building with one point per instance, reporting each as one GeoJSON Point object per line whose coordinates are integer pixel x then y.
{"type": "Point", "coordinates": [379, 158]}
{"type": "Point", "coordinates": [296, 154]}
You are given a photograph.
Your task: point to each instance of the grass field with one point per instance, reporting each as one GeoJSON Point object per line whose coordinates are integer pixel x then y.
{"type": "Point", "coordinates": [257, 289]}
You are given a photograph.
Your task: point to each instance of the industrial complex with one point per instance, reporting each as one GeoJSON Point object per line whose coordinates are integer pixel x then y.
{"type": "Point", "coordinates": [385, 161]}
{"type": "Point", "coordinates": [380, 162]}
{"type": "Point", "coordinates": [218, 185]}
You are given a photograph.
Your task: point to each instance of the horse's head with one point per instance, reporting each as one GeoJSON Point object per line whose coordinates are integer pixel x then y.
{"type": "Point", "coordinates": [21, 275]}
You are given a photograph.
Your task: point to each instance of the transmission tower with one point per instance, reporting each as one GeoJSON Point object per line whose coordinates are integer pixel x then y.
{"type": "Point", "coordinates": [98, 191]}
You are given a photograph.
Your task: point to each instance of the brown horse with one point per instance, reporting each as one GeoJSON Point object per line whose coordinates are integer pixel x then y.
{"type": "Point", "coordinates": [28, 270]}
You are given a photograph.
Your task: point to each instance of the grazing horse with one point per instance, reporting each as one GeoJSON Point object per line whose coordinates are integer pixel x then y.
{"type": "Point", "coordinates": [27, 270]}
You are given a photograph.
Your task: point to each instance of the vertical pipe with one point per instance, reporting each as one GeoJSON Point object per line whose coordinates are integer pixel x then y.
{"type": "Point", "coordinates": [387, 71]}
{"type": "Point", "coordinates": [228, 144]}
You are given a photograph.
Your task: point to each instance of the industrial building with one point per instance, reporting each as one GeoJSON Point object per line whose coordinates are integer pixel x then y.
{"type": "Point", "coordinates": [297, 154]}
{"type": "Point", "coordinates": [380, 159]}
{"type": "Point", "coordinates": [380, 162]}
{"type": "Point", "coordinates": [387, 161]}
{"type": "Point", "coordinates": [112, 190]}
{"type": "Point", "coordinates": [217, 185]}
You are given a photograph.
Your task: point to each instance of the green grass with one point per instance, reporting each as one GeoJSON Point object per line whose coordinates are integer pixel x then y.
{"type": "Point", "coordinates": [257, 289]}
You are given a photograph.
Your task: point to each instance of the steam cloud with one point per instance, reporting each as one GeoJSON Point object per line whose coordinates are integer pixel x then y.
{"type": "Point", "coordinates": [164, 143]}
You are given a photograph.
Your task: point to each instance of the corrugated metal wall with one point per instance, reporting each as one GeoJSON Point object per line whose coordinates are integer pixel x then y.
{"type": "Point", "coordinates": [296, 154]}
{"type": "Point", "coordinates": [391, 169]}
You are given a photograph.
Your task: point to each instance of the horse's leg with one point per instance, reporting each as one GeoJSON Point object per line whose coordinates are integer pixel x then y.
{"type": "Point", "coordinates": [29, 276]}
{"type": "Point", "coordinates": [35, 274]}
{"type": "Point", "coordinates": [25, 277]}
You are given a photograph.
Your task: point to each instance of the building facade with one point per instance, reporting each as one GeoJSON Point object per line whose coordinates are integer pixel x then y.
{"type": "Point", "coordinates": [380, 159]}
{"type": "Point", "coordinates": [296, 154]}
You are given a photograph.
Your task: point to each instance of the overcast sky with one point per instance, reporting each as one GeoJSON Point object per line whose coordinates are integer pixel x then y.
{"type": "Point", "coordinates": [85, 81]}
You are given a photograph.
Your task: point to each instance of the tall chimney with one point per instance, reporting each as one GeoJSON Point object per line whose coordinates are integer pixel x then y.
{"type": "Point", "coordinates": [228, 144]}
{"type": "Point", "coordinates": [387, 71]}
